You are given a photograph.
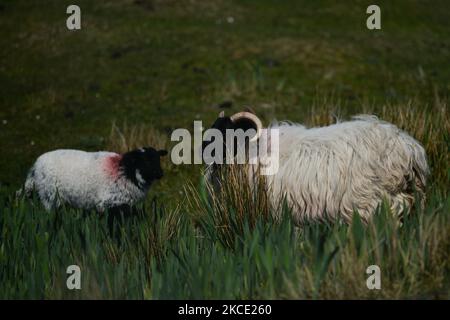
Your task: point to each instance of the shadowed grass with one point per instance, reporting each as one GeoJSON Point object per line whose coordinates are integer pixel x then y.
{"type": "Point", "coordinates": [230, 205]}
{"type": "Point", "coordinates": [222, 252]}
{"type": "Point", "coordinates": [272, 259]}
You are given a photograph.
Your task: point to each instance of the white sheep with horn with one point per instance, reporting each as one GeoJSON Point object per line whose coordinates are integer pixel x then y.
{"type": "Point", "coordinates": [328, 173]}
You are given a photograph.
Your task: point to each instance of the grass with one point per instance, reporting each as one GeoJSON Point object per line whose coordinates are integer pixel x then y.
{"type": "Point", "coordinates": [139, 69]}
{"type": "Point", "coordinates": [163, 254]}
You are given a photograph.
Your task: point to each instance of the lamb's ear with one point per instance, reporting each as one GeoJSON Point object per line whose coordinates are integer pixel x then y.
{"type": "Point", "coordinates": [162, 153]}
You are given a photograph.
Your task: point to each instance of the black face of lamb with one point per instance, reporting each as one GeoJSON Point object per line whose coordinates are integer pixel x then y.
{"type": "Point", "coordinates": [143, 166]}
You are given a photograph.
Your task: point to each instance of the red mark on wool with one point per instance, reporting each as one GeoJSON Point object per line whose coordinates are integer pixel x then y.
{"type": "Point", "coordinates": [111, 165]}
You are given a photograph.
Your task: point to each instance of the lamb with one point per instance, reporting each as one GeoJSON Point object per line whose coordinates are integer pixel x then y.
{"type": "Point", "coordinates": [93, 180]}
{"type": "Point", "coordinates": [328, 173]}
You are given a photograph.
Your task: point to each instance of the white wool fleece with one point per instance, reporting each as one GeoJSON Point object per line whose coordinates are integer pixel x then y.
{"type": "Point", "coordinates": [328, 172]}
{"type": "Point", "coordinates": [86, 180]}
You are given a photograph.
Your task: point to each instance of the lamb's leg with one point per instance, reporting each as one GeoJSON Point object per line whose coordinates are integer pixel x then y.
{"type": "Point", "coordinates": [49, 197]}
{"type": "Point", "coordinates": [28, 187]}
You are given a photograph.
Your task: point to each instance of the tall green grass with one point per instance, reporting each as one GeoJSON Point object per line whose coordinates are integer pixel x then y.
{"type": "Point", "coordinates": [233, 244]}
{"type": "Point", "coordinates": [169, 254]}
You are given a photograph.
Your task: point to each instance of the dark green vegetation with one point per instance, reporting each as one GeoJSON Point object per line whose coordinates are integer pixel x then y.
{"type": "Point", "coordinates": [158, 65]}
{"type": "Point", "coordinates": [221, 254]}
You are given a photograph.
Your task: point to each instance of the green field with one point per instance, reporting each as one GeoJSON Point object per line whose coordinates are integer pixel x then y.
{"type": "Point", "coordinates": [138, 69]}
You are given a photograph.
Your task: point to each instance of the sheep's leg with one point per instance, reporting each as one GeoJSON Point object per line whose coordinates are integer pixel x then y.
{"type": "Point", "coordinates": [401, 203]}
{"type": "Point", "coordinates": [50, 198]}
{"type": "Point", "coordinates": [28, 187]}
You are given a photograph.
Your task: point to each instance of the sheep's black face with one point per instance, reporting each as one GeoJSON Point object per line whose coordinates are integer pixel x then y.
{"type": "Point", "coordinates": [221, 124]}
{"type": "Point", "coordinates": [224, 123]}
{"type": "Point", "coordinates": [143, 166]}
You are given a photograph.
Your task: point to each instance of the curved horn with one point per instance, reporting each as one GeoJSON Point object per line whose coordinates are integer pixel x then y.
{"type": "Point", "coordinates": [253, 118]}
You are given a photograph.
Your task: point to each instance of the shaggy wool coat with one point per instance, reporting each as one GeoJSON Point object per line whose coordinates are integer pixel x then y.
{"type": "Point", "coordinates": [328, 173]}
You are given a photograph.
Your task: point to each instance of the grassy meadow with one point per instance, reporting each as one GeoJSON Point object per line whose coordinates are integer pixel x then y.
{"type": "Point", "coordinates": [138, 69]}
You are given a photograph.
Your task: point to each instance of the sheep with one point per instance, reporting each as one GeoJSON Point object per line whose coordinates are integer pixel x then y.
{"type": "Point", "coordinates": [93, 180]}
{"type": "Point", "coordinates": [328, 173]}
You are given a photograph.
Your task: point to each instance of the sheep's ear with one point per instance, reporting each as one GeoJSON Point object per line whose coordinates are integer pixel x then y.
{"type": "Point", "coordinates": [249, 109]}
{"type": "Point", "coordinates": [162, 153]}
{"type": "Point", "coordinates": [222, 114]}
